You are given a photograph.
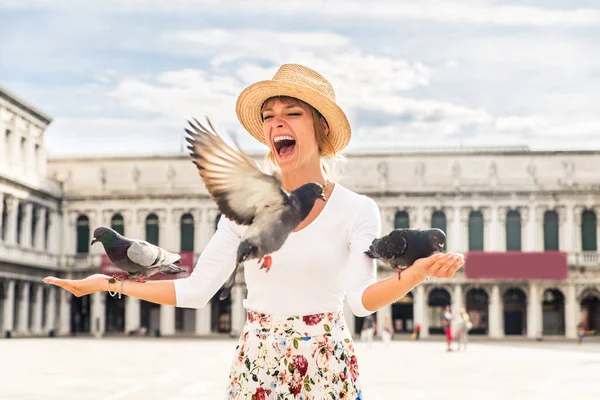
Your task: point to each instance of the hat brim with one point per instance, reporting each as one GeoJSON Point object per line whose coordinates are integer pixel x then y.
{"type": "Point", "coordinates": [251, 99]}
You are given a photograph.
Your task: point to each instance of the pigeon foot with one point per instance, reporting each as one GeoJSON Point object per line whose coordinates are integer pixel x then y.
{"type": "Point", "coordinates": [121, 276]}
{"type": "Point", "coordinates": [140, 278]}
{"type": "Point", "coordinates": [267, 261]}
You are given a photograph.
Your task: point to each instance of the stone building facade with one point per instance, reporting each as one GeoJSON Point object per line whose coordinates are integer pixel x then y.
{"type": "Point", "coordinates": [497, 201]}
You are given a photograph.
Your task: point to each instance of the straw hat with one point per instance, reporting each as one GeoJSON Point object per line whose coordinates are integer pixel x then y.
{"type": "Point", "coordinates": [303, 83]}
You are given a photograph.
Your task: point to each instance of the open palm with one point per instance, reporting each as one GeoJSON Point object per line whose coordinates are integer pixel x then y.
{"type": "Point", "coordinates": [80, 287]}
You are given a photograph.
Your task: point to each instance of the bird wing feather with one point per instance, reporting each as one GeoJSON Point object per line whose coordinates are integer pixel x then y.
{"type": "Point", "coordinates": [233, 180]}
{"type": "Point", "coordinates": [149, 255]}
{"type": "Point", "coordinates": [391, 247]}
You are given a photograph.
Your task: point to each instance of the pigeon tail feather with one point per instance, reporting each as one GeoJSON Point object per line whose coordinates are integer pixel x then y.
{"type": "Point", "coordinates": [371, 252]}
{"type": "Point", "coordinates": [171, 269]}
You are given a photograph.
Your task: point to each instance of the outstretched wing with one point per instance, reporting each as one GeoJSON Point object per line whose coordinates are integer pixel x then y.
{"type": "Point", "coordinates": [233, 179]}
{"type": "Point", "coordinates": [149, 255]}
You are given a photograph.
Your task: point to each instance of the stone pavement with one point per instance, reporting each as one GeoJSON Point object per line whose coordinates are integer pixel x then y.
{"type": "Point", "coordinates": [183, 369]}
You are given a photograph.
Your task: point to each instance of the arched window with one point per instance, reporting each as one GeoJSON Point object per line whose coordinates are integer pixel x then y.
{"type": "Point", "coordinates": [83, 234]}
{"type": "Point", "coordinates": [438, 220]}
{"type": "Point", "coordinates": [476, 231]}
{"type": "Point", "coordinates": [513, 231]}
{"type": "Point", "coordinates": [4, 220]}
{"type": "Point", "coordinates": [34, 223]}
{"type": "Point", "coordinates": [152, 229]}
{"type": "Point", "coordinates": [187, 232]}
{"type": "Point", "coordinates": [118, 224]}
{"type": "Point", "coordinates": [20, 212]}
{"type": "Point", "coordinates": [401, 220]}
{"type": "Point", "coordinates": [550, 230]}
{"type": "Point", "coordinates": [589, 241]}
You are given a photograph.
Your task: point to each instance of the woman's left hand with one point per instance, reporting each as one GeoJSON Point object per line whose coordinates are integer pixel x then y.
{"type": "Point", "coordinates": [440, 265]}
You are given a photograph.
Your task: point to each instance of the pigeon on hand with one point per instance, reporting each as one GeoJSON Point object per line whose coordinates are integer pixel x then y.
{"type": "Point", "coordinates": [402, 247]}
{"type": "Point", "coordinates": [247, 196]}
{"type": "Point", "coordinates": [138, 258]}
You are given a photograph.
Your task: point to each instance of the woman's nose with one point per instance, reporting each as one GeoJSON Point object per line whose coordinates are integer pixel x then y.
{"type": "Point", "coordinates": [277, 122]}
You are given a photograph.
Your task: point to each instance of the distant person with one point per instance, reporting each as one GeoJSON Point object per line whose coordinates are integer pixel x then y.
{"type": "Point", "coordinates": [387, 330]}
{"type": "Point", "coordinates": [368, 329]}
{"type": "Point", "coordinates": [447, 324]}
{"type": "Point", "coordinates": [463, 326]}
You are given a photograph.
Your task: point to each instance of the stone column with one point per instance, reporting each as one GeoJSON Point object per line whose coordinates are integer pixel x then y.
{"type": "Point", "coordinates": [425, 216]}
{"type": "Point", "coordinates": [69, 242]}
{"type": "Point", "coordinates": [3, 149]}
{"type": "Point", "coordinates": [455, 242]}
{"type": "Point", "coordinates": [132, 313]}
{"type": "Point", "coordinates": [496, 314]}
{"type": "Point", "coordinates": [531, 230]}
{"type": "Point", "coordinates": [26, 227]}
{"type": "Point", "coordinates": [569, 230]}
{"type": "Point", "coordinates": [457, 300]}
{"type": "Point", "coordinates": [12, 204]}
{"type": "Point", "coordinates": [39, 229]}
{"type": "Point", "coordinates": [199, 227]}
{"type": "Point", "coordinates": [463, 226]}
{"type": "Point", "coordinates": [167, 320]}
{"type": "Point", "coordinates": [493, 230]}
{"type": "Point", "coordinates": [238, 313]}
{"type": "Point", "coordinates": [562, 228]}
{"type": "Point", "coordinates": [501, 229]}
{"type": "Point", "coordinates": [64, 327]}
{"type": "Point", "coordinates": [534, 310]}
{"type": "Point", "coordinates": [54, 232]}
{"type": "Point", "coordinates": [98, 314]}
{"type": "Point", "coordinates": [571, 312]}
{"type": "Point", "coordinates": [38, 309]}
{"type": "Point", "coordinates": [387, 219]}
{"type": "Point", "coordinates": [9, 306]}
{"type": "Point", "coordinates": [203, 320]}
{"type": "Point", "coordinates": [2, 222]}
{"type": "Point", "coordinates": [50, 309]}
{"type": "Point", "coordinates": [24, 308]}
{"type": "Point", "coordinates": [420, 311]}
{"type": "Point", "coordinates": [597, 212]}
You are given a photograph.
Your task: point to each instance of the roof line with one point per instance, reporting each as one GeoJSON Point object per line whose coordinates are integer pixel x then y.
{"type": "Point", "coordinates": [19, 102]}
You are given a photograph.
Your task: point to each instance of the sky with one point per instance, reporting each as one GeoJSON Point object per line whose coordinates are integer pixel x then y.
{"type": "Point", "coordinates": [122, 77]}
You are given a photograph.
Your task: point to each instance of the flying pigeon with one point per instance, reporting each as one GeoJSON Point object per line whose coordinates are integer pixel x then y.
{"type": "Point", "coordinates": [402, 247]}
{"type": "Point", "coordinates": [247, 196]}
{"type": "Point", "coordinates": [138, 258]}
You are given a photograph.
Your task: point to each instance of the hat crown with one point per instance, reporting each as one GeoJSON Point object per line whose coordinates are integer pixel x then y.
{"type": "Point", "coordinates": [300, 75]}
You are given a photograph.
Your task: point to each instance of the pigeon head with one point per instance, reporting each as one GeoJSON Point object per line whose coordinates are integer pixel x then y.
{"type": "Point", "coordinates": [104, 235]}
{"type": "Point", "coordinates": [305, 196]}
{"type": "Point", "coordinates": [437, 239]}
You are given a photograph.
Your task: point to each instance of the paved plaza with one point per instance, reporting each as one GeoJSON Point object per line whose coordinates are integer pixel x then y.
{"type": "Point", "coordinates": [183, 369]}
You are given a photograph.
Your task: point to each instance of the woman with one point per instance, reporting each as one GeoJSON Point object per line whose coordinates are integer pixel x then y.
{"type": "Point", "coordinates": [463, 325]}
{"type": "Point", "coordinates": [295, 343]}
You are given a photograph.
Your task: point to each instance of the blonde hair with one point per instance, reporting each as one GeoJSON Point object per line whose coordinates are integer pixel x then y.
{"type": "Point", "coordinates": [330, 159]}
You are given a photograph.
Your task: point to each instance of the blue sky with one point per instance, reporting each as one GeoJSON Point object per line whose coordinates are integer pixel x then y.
{"type": "Point", "coordinates": [122, 77]}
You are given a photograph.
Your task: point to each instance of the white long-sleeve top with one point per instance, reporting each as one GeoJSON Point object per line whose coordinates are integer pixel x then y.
{"type": "Point", "coordinates": [313, 271]}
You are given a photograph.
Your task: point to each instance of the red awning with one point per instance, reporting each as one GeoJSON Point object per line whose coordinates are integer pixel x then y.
{"type": "Point", "coordinates": [516, 265]}
{"type": "Point", "coordinates": [187, 263]}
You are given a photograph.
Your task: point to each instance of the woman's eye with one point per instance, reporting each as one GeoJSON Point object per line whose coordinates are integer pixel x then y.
{"type": "Point", "coordinates": [266, 117]}
{"type": "Point", "coordinates": [295, 114]}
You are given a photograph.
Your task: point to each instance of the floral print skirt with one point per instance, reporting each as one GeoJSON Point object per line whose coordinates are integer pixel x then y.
{"type": "Point", "coordinates": [301, 358]}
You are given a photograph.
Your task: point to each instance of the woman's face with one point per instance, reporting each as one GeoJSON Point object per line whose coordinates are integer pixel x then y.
{"type": "Point", "coordinates": [290, 134]}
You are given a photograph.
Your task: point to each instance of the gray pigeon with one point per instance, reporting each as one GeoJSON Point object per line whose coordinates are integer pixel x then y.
{"type": "Point", "coordinates": [402, 247]}
{"type": "Point", "coordinates": [247, 196]}
{"type": "Point", "coordinates": [138, 258]}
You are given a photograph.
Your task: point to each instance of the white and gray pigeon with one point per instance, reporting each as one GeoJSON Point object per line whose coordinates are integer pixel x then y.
{"type": "Point", "coordinates": [138, 258]}
{"type": "Point", "coordinates": [248, 196]}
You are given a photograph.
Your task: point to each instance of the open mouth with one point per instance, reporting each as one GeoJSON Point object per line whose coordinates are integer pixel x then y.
{"type": "Point", "coordinates": [284, 145]}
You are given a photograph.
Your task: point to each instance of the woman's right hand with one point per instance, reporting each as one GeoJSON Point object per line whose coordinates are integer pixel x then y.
{"type": "Point", "coordinates": [81, 287]}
